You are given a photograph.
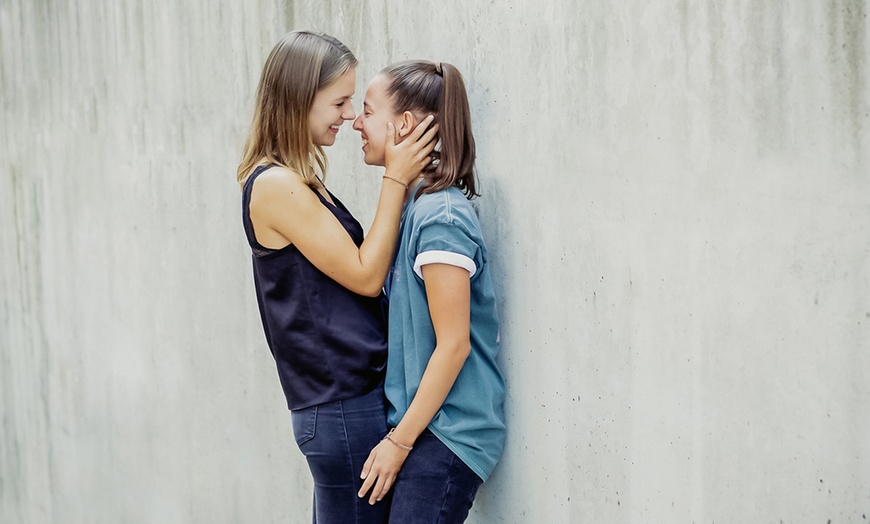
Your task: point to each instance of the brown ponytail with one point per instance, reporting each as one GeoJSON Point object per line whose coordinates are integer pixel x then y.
{"type": "Point", "coordinates": [438, 88]}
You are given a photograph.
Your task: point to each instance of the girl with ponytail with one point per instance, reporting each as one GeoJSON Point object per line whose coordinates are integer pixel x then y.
{"type": "Point", "coordinates": [444, 389]}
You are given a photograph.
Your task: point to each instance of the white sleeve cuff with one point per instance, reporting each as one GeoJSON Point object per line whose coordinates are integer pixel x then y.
{"type": "Point", "coordinates": [444, 257]}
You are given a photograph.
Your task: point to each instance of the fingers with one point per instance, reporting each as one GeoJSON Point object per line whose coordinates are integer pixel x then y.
{"type": "Point", "coordinates": [366, 470]}
{"type": "Point", "coordinates": [388, 483]}
{"type": "Point", "coordinates": [376, 493]}
{"type": "Point", "coordinates": [378, 484]}
{"type": "Point", "coordinates": [416, 137]}
{"type": "Point", "coordinates": [381, 488]}
{"type": "Point", "coordinates": [367, 466]}
{"type": "Point", "coordinates": [406, 159]}
{"type": "Point", "coordinates": [377, 478]}
{"type": "Point", "coordinates": [421, 127]}
{"type": "Point", "coordinates": [427, 150]}
{"type": "Point", "coordinates": [429, 137]}
{"type": "Point", "coordinates": [367, 485]}
{"type": "Point", "coordinates": [425, 143]}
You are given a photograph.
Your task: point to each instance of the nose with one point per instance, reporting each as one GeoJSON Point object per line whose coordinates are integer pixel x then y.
{"type": "Point", "coordinates": [357, 124]}
{"type": "Point", "coordinates": [348, 114]}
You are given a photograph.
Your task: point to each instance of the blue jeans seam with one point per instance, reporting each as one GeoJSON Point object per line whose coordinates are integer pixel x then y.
{"type": "Point", "coordinates": [349, 458]}
{"type": "Point", "coordinates": [441, 514]}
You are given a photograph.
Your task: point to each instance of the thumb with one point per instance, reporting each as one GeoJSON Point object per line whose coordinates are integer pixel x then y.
{"type": "Point", "coordinates": [391, 134]}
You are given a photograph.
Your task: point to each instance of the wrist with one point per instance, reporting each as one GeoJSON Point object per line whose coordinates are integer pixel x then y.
{"type": "Point", "coordinates": [392, 440]}
{"type": "Point", "coordinates": [405, 176]}
{"type": "Point", "coordinates": [388, 178]}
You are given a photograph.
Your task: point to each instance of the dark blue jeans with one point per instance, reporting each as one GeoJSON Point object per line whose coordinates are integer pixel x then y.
{"type": "Point", "coordinates": [336, 438]}
{"type": "Point", "coordinates": [434, 485]}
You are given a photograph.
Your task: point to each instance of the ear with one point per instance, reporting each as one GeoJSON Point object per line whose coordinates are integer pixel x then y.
{"type": "Point", "coordinates": [408, 123]}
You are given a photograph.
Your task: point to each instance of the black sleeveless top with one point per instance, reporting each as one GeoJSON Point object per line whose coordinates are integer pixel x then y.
{"type": "Point", "coordinates": [329, 343]}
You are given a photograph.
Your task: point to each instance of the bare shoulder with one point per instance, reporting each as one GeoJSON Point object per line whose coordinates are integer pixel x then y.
{"type": "Point", "coordinates": [278, 186]}
{"type": "Point", "coordinates": [278, 179]}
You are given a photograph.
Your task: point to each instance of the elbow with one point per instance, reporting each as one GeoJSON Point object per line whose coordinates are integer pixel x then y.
{"type": "Point", "coordinates": [370, 290]}
{"type": "Point", "coordinates": [458, 350]}
{"type": "Point", "coordinates": [465, 350]}
{"type": "Point", "coordinates": [363, 285]}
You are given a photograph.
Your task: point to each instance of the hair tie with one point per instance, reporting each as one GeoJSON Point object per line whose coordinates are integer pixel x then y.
{"type": "Point", "coordinates": [438, 68]}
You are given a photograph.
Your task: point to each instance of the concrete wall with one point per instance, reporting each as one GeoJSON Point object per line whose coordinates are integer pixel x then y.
{"type": "Point", "coordinates": [676, 195]}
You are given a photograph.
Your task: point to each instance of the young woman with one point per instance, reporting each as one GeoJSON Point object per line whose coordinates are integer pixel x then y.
{"type": "Point", "coordinates": [445, 391]}
{"type": "Point", "coordinates": [318, 283]}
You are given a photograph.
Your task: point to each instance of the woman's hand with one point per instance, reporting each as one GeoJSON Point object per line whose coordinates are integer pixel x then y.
{"type": "Point", "coordinates": [381, 469]}
{"type": "Point", "coordinates": [407, 159]}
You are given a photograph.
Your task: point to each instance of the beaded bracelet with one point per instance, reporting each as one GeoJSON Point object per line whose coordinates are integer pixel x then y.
{"type": "Point", "coordinates": [400, 446]}
{"type": "Point", "coordinates": [396, 180]}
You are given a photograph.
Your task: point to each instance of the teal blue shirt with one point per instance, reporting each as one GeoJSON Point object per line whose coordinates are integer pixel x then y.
{"type": "Point", "coordinates": [443, 228]}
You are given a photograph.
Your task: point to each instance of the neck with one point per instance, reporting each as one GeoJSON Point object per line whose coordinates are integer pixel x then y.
{"type": "Point", "coordinates": [412, 187]}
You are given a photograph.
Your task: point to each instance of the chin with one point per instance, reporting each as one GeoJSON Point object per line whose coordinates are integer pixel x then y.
{"type": "Point", "coordinates": [369, 161]}
{"type": "Point", "coordinates": [325, 140]}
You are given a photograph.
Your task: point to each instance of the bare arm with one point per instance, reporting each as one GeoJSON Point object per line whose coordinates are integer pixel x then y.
{"type": "Point", "coordinates": [448, 291]}
{"type": "Point", "coordinates": [282, 203]}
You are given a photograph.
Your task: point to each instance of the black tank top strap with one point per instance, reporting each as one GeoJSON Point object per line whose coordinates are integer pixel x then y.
{"type": "Point", "coordinates": [258, 249]}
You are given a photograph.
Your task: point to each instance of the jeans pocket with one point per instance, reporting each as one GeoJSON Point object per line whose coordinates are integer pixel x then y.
{"type": "Point", "coordinates": [304, 421]}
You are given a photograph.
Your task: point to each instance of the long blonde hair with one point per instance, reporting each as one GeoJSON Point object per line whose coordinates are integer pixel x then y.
{"type": "Point", "coordinates": [301, 64]}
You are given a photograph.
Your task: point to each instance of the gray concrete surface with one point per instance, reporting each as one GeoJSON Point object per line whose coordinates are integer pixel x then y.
{"type": "Point", "coordinates": [676, 196]}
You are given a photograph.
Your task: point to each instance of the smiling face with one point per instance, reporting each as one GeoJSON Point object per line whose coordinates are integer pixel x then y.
{"type": "Point", "coordinates": [331, 108]}
{"type": "Point", "coordinates": [372, 122]}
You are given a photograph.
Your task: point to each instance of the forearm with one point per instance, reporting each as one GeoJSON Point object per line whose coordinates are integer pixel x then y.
{"type": "Point", "coordinates": [448, 295]}
{"type": "Point", "coordinates": [377, 250]}
{"type": "Point", "coordinates": [438, 379]}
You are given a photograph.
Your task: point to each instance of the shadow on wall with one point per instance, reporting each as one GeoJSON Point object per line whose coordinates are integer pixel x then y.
{"type": "Point", "coordinates": [493, 210]}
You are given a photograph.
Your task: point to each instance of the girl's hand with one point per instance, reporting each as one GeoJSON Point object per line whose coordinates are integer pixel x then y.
{"type": "Point", "coordinates": [381, 469]}
{"type": "Point", "coordinates": [407, 159]}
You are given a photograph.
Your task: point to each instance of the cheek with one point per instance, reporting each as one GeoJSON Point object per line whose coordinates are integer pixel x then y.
{"type": "Point", "coordinates": [323, 115]}
{"type": "Point", "coordinates": [377, 132]}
